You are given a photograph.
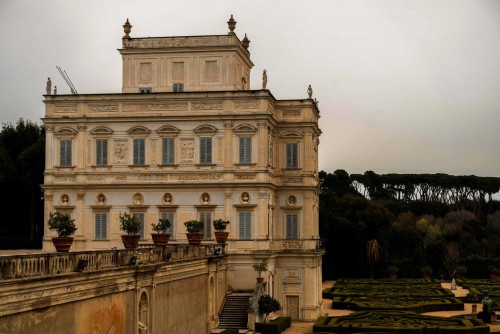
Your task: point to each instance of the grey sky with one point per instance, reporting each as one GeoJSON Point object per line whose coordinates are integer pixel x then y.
{"type": "Point", "coordinates": [404, 86]}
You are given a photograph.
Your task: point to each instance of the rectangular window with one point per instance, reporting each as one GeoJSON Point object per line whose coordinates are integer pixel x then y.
{"type": "Point", "coordinates": [140, 216]}
{"type": "Point", "coordinates": [292, 226]}
{"type": "Point", "coordinates": [170, 217]}
{"type": "Point", "coordinates": [205, 150]}
{"type": "Point", "coordinates": [206, 219]}
{"type": "Point", "coordinates": [245, 150]}
{"type": "Point", "coordinates": [65, 153]}
{"type": "Point", "coordinates": [139, 151]}
{"type": "Point", "coordinates": [101, 226]}
{"type": "Point", "coordinates": [245, 227]}
{"type": "Point", "coordinates": [167, 151]}
{"type": "Point", "coordinates": [292, 159]}
{"type": "Point", "coordinates": [101, 150]}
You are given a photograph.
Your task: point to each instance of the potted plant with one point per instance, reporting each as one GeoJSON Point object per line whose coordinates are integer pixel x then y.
{"type": "Point", "coordinates": [473, 297]}
{"type": "Point", "coordinates": [220, 228]}
{"type": "Point", "coordinates": [194, 228]}
{"type": "Point", "coordinates": [393, 272]}
{"type": "Point", "coordinates": [426, 271]}
{"type": "Point", "coordinates": [161, 237]}
{"type": "Point", "coordinates": [259, 268]}
{"type": "Point", "coordinates": [268, 304]}
{"type": "Point", "coordinates": [65, 227]}
{"type": "Point", "coordinates": [494, 273]}
{"type": "Point", "coordinates": [130, 225]}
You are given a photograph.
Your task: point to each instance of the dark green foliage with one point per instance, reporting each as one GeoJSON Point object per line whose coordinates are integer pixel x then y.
{"type": "Point", "coordinates": [62, 223]}
{"type": "Point", "coordinates": [268, 304]}
{"type": "Point", "coordinates": [22, 162]}
{"type": "Point", "coordinates": [274, 326]}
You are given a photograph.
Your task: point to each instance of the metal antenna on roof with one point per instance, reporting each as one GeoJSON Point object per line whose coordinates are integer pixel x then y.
{"type": "Point", "coordinates": [68, 80]}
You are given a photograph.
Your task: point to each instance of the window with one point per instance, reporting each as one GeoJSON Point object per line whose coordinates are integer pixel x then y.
{"type": "Point", "coordinates": [65, 153]}
{"type": "Point", "coordinates": [205, 150]}
{"type": "Point", "coordinates": [245, 150]}
{"type": "Point", "coordinates": [167, 151]}
{"type": "Point", "coordinates": [101, 152]}
{"type": "Point", "coordinates": [292, 226]}
{"type": "Point", "coordinates": [245, 227]}
{"type": "Point", "coordinates": [139, 152]}
{"type": "Point", "coordinates": [145, 90]}
{"type": "Point", "coordinates": [178, 87]}
{"type": "Point", "coordinates": [206, 219]}
{"type": "Point", "coordinates": [292, 155]}
{"type": "Point", "coordinates": [101, 226]}
{"type": "Point", "coordinates": [170, 217]}
{"type": "Point", "coordinates": [140, 216]}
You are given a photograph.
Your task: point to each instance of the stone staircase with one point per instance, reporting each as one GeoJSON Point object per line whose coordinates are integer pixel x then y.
{"type": "Point", "coordinates": [234, 313]}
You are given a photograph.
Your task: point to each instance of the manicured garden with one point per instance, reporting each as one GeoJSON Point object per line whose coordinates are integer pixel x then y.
{"type": "Point", "coordinates": [393, 306]}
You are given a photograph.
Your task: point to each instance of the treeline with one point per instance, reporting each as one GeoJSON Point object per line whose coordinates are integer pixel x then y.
{"type": "Point", "coordinates": [22, 162]}
{"type": "Point", "coordinates": [440, 220]}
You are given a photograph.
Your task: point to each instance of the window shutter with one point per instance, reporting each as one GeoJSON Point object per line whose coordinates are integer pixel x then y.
{"type": "Point", "coordinates": [141, 218]}
{"type": "Point", "coordinates": [136, 152]}
{"type": "Point", "coordinates": [292, 155]}
{"type": "Point", "coordinates": [168, 151]}
{"type": "Point", "coordinates": [242, 225]}
{"type": "Point", "coordinates": [65, 153]}
{"type": "Point", "coordinates": [98, 226]}
{"type": "Point", "coordinates": [245, 150]}
{"type": "Point", "coordinates": [209, 150]}
{"type": "Point", "coordinates": [245, 226]}
{"type": "Point", "coordinates": [139, 151]}
{"type": "Point", "coordinates": [104, 225]}
{"type": "Point", "coordinates": [292, 228]}
{"type": "Point", "coordinates": [105, 152]}
{"type": "Point", "coordinates": [205, 150]}
{"type": "Point", "coordinates": [102, 152]}
{"type": "Point", "coordinates": [206, 218]}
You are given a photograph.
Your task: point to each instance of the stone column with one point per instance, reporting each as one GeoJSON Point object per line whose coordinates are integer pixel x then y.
{"type": "Point", "coordinates": [228, 206]}
{"type": "Point", "coordinates": [79, 220]}
{"type": "Point", "coordinates": [309, 151]}
{"type": "Point", "coordinates": [262, 147]}
{"type": "Point", "coordinates": [263, 216]}
{"type": "Point", "coordinates": [228, 144]}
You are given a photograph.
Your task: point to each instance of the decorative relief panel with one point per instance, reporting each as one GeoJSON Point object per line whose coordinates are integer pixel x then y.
{"type": "Point", "coordinates": [152, 177]}
{"type": "Point", "coordinates": [65, 108]}
{"type": "Point", "coordinates": [291, 274]}
{"type": "Point", "coordinates": [289, 288]}
{"type": "Point", "coordinates": [219, 148]}
{"type": "Point", "coordinates": [103, 107]}
{"type": "Point", "coordinates": [291, 113]}
{"type": "Point", "coordinates": [154, 153]}
{"type": "Point", "coordinates": [187, 149]}
{"type": "Point", "coordinates": [207, 106]}
{"type": "Point", "coordinates": [293, 180]}
{"type": "Point", "coordinates": [106, 178]}
{"type": "Point", "coordinates": [292, 245]}
{"type": "Point", "coordinates": [120, 152]}
{"type": "Point", "coordinates": [245, 104]}
{"type": "Point", "coordinates": [202, 177]}
{"type": "Point", "coordinates": [64, 178]}
{"type": "Point", "coordinates": [89, 152]}
{"type": "Point", "coordinates": [245, 176]}
{"type": "Point", "coordinates": [155, 107]}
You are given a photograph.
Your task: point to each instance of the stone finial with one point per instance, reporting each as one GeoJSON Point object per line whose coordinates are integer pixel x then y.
{"type": "Point", "coordinates": [127, 28]}
{"type": "Point", "coordinates": [310, 92]}
{"type": "Point", "coordinates": [49, 86]}
{"type": "Point", "coordinates": [231, 24]}
{"type": "Point", "coordinates": [55, 90]}
{"type": "Point", "coordinates": [264, 79]}
{"type": "Point", "coordinates": [245, 42]}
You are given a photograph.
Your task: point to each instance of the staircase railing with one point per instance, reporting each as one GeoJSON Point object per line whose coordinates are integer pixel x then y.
{"type": "Point", "coordinates": [253, 308]}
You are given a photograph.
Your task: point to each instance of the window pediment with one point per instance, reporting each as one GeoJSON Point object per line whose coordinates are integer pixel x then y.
{"type": "Point", "coordinates": [291, 134]}
{"type": "Point", "coordinates": [65, 132]}
{"type": "Point", "coordinates": [138, 130]}
{"type": "Point", "coordinates": [245, 128]}
{"type": "Point", "coordinates": [168, 130]}
{"type": "Point", "coordinates": [101, 131]}
{"type": "Point", "coordinates": [205, 128]}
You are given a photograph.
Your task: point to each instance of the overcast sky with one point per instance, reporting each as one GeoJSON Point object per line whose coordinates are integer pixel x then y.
{"type": "Point", "coordinates": [403, 86]}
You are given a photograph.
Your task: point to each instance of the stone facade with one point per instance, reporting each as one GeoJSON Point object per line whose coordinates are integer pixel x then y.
{"type": "Point", "coordinates": [186, 139]}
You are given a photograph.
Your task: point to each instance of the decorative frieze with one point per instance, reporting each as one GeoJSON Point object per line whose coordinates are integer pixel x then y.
{"type": "Point", "coordinates": [245, 176]}
{"type": "Point", "coordinates": [291, 113]}
{"type": "Point", "coordinates": [287, 180]}
{"type": "Point", "coordinates": [65, 178]}
{"type": "Point", "coordinates": [154, 107]}
{"type": "Point", "coordinates": [152, 177]}
{"type": "Point", "coordinates": [65, 108]}
{"type": "Point", "coordinates": [201, 177]}
{"type": "Point", "coordinates": [103, 107]}
{"type": "Point", "coordinates": [246, 104]}
{"type": "Point", "coordinates": [207, 106]}
{"type": "Point", "coordinates": [291, 244]}
{"type": "Point", "coordinates": [178, 42]}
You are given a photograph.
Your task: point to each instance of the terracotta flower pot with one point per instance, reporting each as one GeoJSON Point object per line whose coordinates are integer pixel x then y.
{"type": "Point", "coordinates": [260, 279]}
{"type": "Point", "coordinates": [160, 239]}
{"type": "Point", "coordinates": [62, 244]}
{"type": "Point", "coordinates": [194, 238]}
{"type": "Point", "coordinates": [221, 237]}
{"type": "Point", "coordinates": [130, 241]}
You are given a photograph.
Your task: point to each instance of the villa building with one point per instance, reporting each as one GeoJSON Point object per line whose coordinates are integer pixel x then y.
{"type": "Point", "coordinates": [187, 139]}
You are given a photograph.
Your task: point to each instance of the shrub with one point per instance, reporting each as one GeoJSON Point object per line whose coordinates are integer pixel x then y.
{"type": "Point", "coordinates": [62, 223]}
{"type": "Point", "coordinates": [194, 226]}
{"type": "Point", "coordinates": [130, 224]}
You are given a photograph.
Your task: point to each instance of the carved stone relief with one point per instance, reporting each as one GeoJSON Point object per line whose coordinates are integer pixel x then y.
{"type": "Point", "coordinates": [64, 199]}
{"type": "Point", "coordinates": [154, 107]}
{"type": "Point", "coordinates": [137, 199]}
{"type": "Point", "coordinates": [219, 148]}
{"type": "Point", "coordinates": [120, 152]}
{"type": "Point", "coordinates": [178, 42]}
{"type": "Point", "coordinates": [291, 113]}
{"type": "Point", "coordinates": [206, 106]}
{"type": "Point", "coordinates": [167, 199]}
{"type": "Point", "coordinates": [65, 108]}
{"type": "Point", "coordinates": [103, 107]}
{"type": "Point", "coordinates": [154, 144]}
{"type": "Point", "coordinates": [245, 104]}
{"type": "Point", "coordinates": [187, 149]}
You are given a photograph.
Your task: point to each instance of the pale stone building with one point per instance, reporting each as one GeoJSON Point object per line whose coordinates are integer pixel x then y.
{"type": "Point", "coordinates": [187, 139]}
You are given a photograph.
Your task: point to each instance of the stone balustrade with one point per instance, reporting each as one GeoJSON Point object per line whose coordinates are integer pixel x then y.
{"type": "Point", "coordinates": [48, 264]}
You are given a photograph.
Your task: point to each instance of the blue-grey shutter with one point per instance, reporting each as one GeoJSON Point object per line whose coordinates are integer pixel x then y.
{"type": "Point", "coordinates": [245, 150]}
{"type": "Point", "coordinates": [139, 151]}
{"type": "Point", "coordinates": [291, 155]}
{"type": "Point", "coordinates": [101, 226]}
{"type": "Point", "coordinates": [205, 150]}
{"type": "Point", "coordinates": [170, 217]}
{"type": "Point", "coordinates": [292, 228]}
{"type": "Point", "coordinates": [206, 218]}
{"type": "Point", "coordinates": [102, 152]}
{"type": "Point", "coordinates": [245, 226]}
{"type": "Point", "coordinates": [168, 151]}
{"type": "Point", "coordinates": [141, 218]}
{"type": "Point", "coordinates": [65, 153]}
